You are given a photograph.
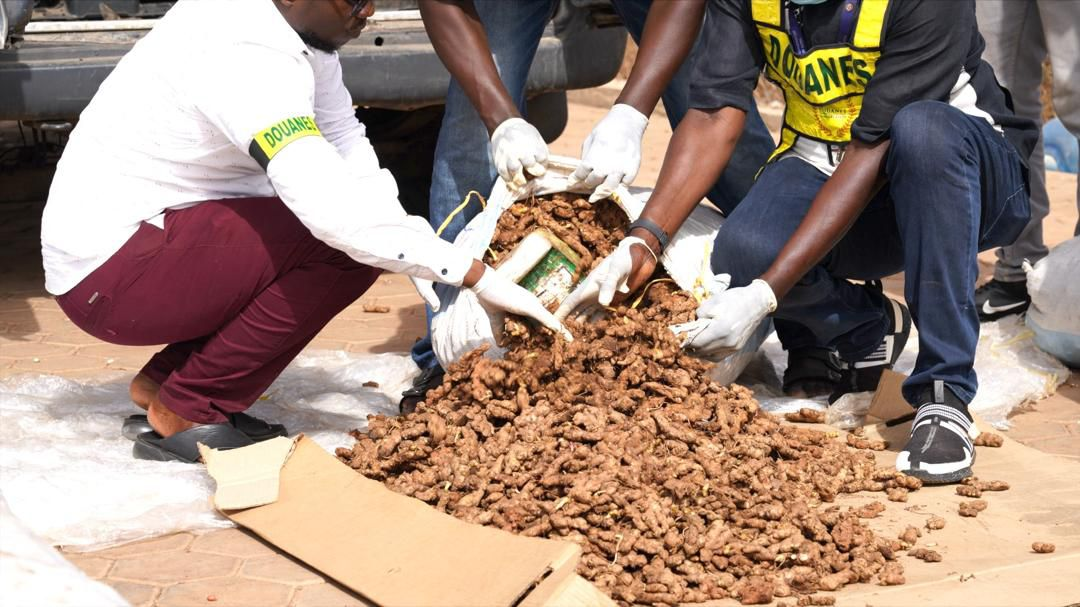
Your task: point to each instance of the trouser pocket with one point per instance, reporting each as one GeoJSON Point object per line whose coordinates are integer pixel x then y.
{"type": "Point", "coordinates": [90, 303]}
{"type": "Point", "coordinates": [1004, 227]}
{"type": "Point", "coordinates": [87, 309]}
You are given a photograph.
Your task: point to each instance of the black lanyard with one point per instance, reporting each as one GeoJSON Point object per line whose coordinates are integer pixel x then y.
{"type": "Point", "coordinates": [792, 15]}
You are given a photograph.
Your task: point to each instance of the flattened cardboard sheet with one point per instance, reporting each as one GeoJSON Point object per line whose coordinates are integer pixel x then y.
{"type": "Point", "coordinates": [574, 591]}
{"type": "Point", "coordinates": [987, 561]}
{"type": "Point", "coordinates": [888, 402]}
{"type": "Point", "coordinates": [395, 550]}
{"type": "Point", "coordinates": [247, 477]}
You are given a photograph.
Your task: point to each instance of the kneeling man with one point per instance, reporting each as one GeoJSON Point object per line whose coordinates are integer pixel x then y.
{"type": "Point", "coordinates": [218, 195]}
{"type": "Point", "coordinates": [899, 152]}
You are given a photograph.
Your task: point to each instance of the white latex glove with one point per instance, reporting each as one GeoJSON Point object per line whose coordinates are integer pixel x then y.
{"type": "Point", "coordinates": [727, 319]}
{"type": "Point", "coordinates": [516, 147]}
{"type": "Point", "coordinates": [611, 154]}
{"type": "Point", "coordinates": [426, 289]}
{"type": "Point", "coordinates": [609, 276]}
{"type": "Point", "coordinates": [500, 294]}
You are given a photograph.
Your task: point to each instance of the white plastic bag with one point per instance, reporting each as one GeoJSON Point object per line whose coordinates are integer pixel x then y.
{"type": "Point", "coordinates": [462, 325]}
{"type": "Point", "coordinates": [1054, 316]}
{"type": "Point", "coordinates": [1012, 370]}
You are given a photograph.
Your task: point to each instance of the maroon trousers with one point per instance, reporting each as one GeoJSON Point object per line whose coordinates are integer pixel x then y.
{"type": "Point", "coordinates": [236, 287]}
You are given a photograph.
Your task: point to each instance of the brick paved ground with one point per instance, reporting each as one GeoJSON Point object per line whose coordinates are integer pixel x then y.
{"type": "Point", "coordinates": [231, 567]}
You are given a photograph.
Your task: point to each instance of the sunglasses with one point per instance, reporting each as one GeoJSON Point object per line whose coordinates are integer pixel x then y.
{"type": "Point", "coordinates": [358, 7]}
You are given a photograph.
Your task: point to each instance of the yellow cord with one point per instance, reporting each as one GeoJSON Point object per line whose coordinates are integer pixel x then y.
{"type": "Point", "coordinates": [644, 290]}
{"type": "Point", "coordinates": [698, 290]}
{"type": "Point", "coordinates": [460, 208]}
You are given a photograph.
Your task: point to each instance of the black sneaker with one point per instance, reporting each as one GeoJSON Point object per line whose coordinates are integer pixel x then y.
{"type": "Point", "coordinates": [939, 451]}
{"type": "Point", "coordinates": [863, 375]}
{"type": "Point", "coordinates": [429, 378]}
{"type": "Point", "coordinates": [812, 371]}
{"type": "Point", "coordinates": [998, 298]}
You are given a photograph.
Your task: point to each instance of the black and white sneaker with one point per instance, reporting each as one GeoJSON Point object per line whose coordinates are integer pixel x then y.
{"type": "Point", "coordinates": [997, 299]}
{"type": "Point", "coordinates": [863, 375]}
{"type": "Point", "coordinates": [940, 450]}
{"type": "Point", "coordinates": [812, 371]}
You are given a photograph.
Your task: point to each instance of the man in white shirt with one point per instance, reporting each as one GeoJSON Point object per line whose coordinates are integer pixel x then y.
{"type": "Point", "coordinates": [219, 195]}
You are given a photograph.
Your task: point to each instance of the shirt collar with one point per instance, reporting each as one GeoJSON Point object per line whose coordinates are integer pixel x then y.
{"type": "Point", "coordinates": [265, 24]}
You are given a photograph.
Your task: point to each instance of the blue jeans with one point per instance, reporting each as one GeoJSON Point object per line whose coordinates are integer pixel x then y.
{"type": "Point", "coordinates": [462, 159]}
{"type": "Point", "coordinates": [955, 187]}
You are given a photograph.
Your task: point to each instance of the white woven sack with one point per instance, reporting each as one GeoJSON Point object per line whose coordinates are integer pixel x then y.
{"type": "Point", "coordinates": [462, 325]}
{"type": "Point", "coordinates": [1054, 316]}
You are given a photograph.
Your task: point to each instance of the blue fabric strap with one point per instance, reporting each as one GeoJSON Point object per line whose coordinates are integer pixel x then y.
{"type": "Point", "coordinates": [847, 19]}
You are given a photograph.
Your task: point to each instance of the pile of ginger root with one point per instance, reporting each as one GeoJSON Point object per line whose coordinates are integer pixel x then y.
{"type": "Point", "coordinates": [678, 489]}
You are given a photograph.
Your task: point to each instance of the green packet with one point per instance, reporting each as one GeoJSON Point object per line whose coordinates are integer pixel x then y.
{"type": "Point", "coordinates": [553, 267]}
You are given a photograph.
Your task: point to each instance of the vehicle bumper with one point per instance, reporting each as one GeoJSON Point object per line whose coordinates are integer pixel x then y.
{"type": "Point", "coordinates": [392, 66]}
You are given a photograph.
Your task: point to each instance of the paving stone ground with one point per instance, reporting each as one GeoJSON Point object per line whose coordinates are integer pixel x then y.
{"type": "Point", "coordinates": [233, 568]}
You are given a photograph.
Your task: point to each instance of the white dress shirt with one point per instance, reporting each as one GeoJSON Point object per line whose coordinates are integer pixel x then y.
{"type": "Point", "coordinates": [173, 126]}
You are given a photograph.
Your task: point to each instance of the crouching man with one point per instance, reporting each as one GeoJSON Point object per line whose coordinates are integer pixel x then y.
{"type": "Point", "coordinates": [218, 195]}
{"type": "Point", "coordinates": [899, 152]}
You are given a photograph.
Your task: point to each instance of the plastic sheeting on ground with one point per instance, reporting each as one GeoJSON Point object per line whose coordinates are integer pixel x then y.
{"type": "Point", "coordinates": [33, 573]}
{"type": "Point", "coordinates": [69, 476]}
{"type": "Point", "coordinates": [1012, 371]}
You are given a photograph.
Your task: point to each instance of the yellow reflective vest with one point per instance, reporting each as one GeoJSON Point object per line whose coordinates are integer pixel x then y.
{"type": "Point", "coordinates": [823, 89]}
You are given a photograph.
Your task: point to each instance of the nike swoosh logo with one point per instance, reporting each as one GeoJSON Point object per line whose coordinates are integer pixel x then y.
{"type": "Point", "coordinates": [989, 309]}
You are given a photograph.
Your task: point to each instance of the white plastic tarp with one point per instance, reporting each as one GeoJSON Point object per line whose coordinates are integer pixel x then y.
{"type": "Point", "coordinates": [1012, 371]}
{"type": "Point", "coordinates": [69, 476]}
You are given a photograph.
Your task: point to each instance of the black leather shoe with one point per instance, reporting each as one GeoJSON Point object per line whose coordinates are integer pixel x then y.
{"type": "Point", "coordinates": [429, 378]}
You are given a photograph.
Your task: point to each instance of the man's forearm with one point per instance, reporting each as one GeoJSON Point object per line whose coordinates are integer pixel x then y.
{"type": "Point", "coordinates": [458, 36]}
{"type": "Point", "coordinates": [699, 151]}
{"type": "Point", "coordinates": [670, 31]}
{"type": "Point", "coordinates": [476, 270]}
{"type": "Point", "coordinates": [835, 208]}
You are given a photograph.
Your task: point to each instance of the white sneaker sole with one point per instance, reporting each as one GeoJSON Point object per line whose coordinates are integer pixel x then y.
{"type": "Point", "coordinates": [936, 474]}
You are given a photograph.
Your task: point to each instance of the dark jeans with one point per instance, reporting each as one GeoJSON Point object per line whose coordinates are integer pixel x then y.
{"type": "Point", "coordinates": [955, 187]}
{"type": "Point", "coordinates": [235, 287]}
{"type": "Point", "coordinates": [462, 160]}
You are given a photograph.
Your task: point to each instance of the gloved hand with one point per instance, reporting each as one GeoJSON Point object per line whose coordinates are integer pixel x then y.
{"type": "Point", "coordinates": [610, 275]}
{"type": "Point", "coordinates": [426, 289]}
{"type": "Point", "coordinates": [611, 154]}
{"type": "Point", "coordinates": [499, 294]}
{"type": "Point", "coordinates": [516, 147]}
{"type": "Point", "coordinates": [727, 319]}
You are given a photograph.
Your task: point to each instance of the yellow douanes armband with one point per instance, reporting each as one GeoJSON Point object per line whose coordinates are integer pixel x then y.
{"type": "Point", "coordinates": [271, 140]}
